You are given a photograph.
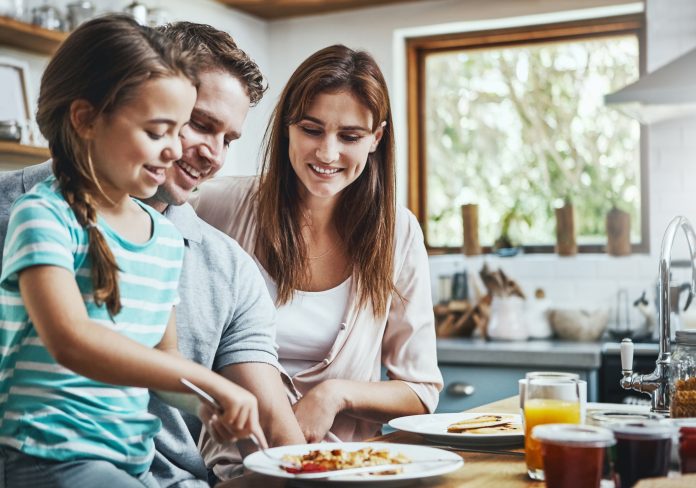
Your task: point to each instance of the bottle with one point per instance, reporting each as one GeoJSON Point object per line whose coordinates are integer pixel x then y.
{"type": "Point", "coordinates": [682, 375]}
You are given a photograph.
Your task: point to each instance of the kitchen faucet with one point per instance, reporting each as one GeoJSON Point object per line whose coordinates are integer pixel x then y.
{"type": "Point", "coordinates": [656, 384]}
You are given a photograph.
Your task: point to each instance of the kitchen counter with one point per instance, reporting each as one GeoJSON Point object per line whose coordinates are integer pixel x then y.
{"type": "Point", "coordinates": [537, 353]}
{"type": "Point", "coordinates": [540, 354]}
{"type": "Point", "coordinates": [476, 371]}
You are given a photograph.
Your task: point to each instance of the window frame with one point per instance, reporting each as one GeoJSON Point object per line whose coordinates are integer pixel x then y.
{"type": "Point", "coordinates": [418, 48]}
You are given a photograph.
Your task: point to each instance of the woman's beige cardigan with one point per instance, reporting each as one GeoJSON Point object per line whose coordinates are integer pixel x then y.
{"type": "Point", "coordinates": [403, 341]}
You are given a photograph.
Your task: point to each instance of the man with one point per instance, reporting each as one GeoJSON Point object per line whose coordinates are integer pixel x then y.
{"type": "Point", "coordinates": [225, 319]}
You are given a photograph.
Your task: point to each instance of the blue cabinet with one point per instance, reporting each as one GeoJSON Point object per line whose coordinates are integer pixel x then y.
{"type": "Point", "coordinates": [471, 386]}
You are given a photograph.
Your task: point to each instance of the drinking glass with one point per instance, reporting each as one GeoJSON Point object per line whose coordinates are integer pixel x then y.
{"type": "Point", "coordinates": [542, 374]}
{"type": "Point", "coordinates": [573, 455]}
{"type": "Point", "coordinates": [547, 400]}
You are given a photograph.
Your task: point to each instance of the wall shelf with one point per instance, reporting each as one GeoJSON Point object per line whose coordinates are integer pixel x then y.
{"type": "Point", "coordinates": [18, 154]}
{"type": "Point", "coordinates": [30, 37]}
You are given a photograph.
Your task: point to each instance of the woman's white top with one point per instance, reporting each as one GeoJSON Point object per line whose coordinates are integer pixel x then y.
{"type": "Point", "coordinates": [307, 326]}
{"type": "Point", "coordinates": [402, 340]}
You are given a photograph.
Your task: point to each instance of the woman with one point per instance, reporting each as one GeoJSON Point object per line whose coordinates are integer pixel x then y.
{"type": "Point", "coordinates": [346, 266]}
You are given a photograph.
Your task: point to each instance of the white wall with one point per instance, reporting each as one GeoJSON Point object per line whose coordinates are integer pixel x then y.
{"type": "Point", "coordinates": [590, 280]}
{"type": "Point", "coordinates": [250, 33]}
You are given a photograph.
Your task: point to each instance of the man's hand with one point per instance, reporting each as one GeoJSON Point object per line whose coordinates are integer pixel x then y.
{"type": "Point", "coordinates": [275, 414]}
{"type": "Point", "coordinates": [316, 411]}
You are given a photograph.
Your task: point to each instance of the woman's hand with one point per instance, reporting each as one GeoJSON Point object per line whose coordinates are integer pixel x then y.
{"type": "Point", "coordinates": [238, 419]}
{"type": "Point", "coordinates": [316, 411]}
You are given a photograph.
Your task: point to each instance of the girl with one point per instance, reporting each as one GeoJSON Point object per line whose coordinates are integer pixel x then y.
{"type": "Point", "coordinates": [346, 265]}
{"type": "Point", "coordinates": [90, 275]}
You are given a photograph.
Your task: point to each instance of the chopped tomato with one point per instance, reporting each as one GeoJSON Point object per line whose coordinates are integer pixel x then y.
{"type": "Point", "coordinates": [306, 468]}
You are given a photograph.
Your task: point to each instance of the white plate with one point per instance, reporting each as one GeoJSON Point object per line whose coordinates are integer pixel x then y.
{"type": "Point", "coordinates": [434, 428]}
{"type": "Point", "coordinates": [259, 463]}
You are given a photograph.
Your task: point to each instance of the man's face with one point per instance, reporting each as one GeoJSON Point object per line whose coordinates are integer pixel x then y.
{"type": "Point", "coordinates": [217, 119]}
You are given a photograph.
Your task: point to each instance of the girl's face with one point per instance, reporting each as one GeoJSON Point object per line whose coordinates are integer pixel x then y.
{"type": "Point", "coordinates": [329, 146]}
{"type": "Point", "coordinates": [133, 146]}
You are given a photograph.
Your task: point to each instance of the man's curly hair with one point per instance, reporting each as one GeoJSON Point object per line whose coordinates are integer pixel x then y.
{"type": "Point", "coordinates": [214, 48]}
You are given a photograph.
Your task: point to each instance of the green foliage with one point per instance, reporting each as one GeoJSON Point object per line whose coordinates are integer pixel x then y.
{"type": "Point", "coordinates": [525, 128]}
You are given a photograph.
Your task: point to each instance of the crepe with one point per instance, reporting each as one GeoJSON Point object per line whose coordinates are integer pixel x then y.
{"type": "Point", "coordinates": [504, 423]}
{"type": "Point", "coordinates": [508, 428]}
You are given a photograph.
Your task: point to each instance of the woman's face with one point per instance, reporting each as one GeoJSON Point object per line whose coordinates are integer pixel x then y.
{"type": "Point", "coordinates": [329, 146]}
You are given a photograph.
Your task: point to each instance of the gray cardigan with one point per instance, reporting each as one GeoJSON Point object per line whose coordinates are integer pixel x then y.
{"type": "Point", "coordinates": [13, 184]}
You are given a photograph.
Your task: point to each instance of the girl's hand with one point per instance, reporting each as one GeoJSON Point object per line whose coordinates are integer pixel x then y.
{"type": "Point", "coordinates": [238, 419]}
{"type": "Point", "coordinates": [316, 411]}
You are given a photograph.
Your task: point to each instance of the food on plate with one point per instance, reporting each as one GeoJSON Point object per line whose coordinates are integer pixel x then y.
{"type": "Point", "coordinates": [317, 460]}
{"type": "Point", "coordinates": [486, 424]}
{"type": "Point", "coordinates": [509, 428]}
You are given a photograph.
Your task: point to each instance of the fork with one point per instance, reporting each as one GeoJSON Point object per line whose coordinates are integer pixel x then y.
{"type": "Point", "coordinates": [283, 463]}
{"type": "Point", "coordinates": [208, 398]}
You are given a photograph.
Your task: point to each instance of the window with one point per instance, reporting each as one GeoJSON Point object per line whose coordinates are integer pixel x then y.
{"type": "Point", "coordinates": [514, 121]}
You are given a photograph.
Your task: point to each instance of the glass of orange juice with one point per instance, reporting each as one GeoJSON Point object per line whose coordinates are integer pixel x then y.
{"type": "Point", "coordinates": [547, 400]}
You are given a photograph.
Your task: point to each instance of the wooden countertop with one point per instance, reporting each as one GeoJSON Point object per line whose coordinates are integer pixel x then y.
{"type": "Point", "coordinates": [506, 469]}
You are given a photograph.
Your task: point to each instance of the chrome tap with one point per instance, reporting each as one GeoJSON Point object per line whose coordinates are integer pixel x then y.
{"type": "Point", "coordinates": [656, 384]}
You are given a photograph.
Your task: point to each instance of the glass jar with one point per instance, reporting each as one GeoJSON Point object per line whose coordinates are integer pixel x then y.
{"type": "Point", "coordinates": [682, 375]}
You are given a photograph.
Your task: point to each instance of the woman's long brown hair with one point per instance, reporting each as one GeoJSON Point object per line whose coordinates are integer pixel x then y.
{"type": "Point", "coordinates": [365, 216]}
{"type": "Point", "coordinates": [103, 62]}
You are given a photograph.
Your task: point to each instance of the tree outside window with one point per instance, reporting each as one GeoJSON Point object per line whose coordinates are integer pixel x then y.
{"type": "Point", "coordinates": [521, 128]}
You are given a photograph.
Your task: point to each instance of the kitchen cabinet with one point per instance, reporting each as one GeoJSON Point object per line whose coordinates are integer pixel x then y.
{"type": "Point", "coordinates": [470, 386]}
{"type": "Point", "coordinates": [477, 371]}
{"type": "Point", "coordinates": [16, 34]}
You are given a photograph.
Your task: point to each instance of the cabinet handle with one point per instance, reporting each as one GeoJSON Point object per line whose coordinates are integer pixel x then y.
{"type": "Point", "coordinates": [460, 389]}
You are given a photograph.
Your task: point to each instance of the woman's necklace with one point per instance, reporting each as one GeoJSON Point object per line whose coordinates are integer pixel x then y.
{"type": "Point", "coordinates": [325, 253]}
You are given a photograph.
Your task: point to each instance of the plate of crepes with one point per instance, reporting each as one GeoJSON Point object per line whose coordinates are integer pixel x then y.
{"type": "Point", "coordinates": [465, 429]}
{"type": "Point", "coordinates": [350, 462]}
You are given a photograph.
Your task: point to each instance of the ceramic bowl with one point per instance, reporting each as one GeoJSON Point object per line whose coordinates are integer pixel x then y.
{"type": "Point", "coordinates": [579, 324]}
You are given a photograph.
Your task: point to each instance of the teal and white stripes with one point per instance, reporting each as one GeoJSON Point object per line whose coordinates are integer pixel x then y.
{"type": "Point", "coordinates": [47, 410]}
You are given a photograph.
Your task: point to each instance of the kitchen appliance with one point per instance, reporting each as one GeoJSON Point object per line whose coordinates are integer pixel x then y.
{"type": "Point", "coordinates": [657, 383]}
{"type": "Point", "coordinates": [621, 327]}
{"type": "Point", "coordinates": [668, 92]}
